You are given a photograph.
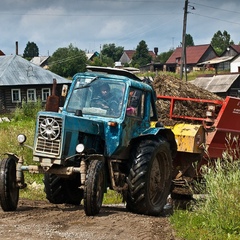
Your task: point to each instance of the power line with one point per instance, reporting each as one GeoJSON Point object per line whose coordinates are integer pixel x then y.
{"type": "Point", "coordinates": [226, 10]}
{"type": "Point", "coordinates": [216, 19]}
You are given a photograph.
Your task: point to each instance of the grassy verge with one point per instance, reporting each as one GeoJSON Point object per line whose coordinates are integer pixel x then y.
{"type": "Point", "coordinates": [218, 216]}
{"type": "Point", "coordinates": [22, 123]}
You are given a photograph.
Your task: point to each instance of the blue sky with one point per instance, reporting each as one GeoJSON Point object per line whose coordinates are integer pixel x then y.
{"type": "Point", "coordinates": [88, 24]}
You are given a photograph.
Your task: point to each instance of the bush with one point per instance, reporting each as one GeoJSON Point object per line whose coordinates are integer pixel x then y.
{"type": "Point", "coordinates": [218, 215]}
{"type": "Point", "coordinates": [27, 110]}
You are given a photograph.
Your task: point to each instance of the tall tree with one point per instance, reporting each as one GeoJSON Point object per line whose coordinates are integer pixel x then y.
{"type": "Point", "coordinates": [164, 56]}
{"type": "Point", "coordinates": [189, 40]}
{"type": "Point", "coordinates": [111, 51]}
{"type": "Point", "coordinates": [220, 41]}
{"type": "Point", "coordinates": [68, 61]}
{"type": "Point", "coordinates": [31, 50]}
{"type": "Point", "coordinates": [141, 56]}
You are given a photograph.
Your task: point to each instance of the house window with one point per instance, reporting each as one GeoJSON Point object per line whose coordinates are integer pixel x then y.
{"type": "Point", "coordinates": [16, 95]}
{"type": "Point", "coordinates": [31, 95]}
{"type": "Point", "coordinates": [45, 94]}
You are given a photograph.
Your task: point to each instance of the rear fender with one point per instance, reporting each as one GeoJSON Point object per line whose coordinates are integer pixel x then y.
{"type": "Point", "coordinates": [166, 134]}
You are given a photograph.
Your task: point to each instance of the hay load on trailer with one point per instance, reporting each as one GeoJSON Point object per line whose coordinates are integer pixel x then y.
{"type": "Point", "coordinates": [204, 125]}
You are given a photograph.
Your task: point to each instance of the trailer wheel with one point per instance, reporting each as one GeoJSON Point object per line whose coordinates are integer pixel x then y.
{"type": "Point", "coordinates": [53, 187]}
{"type": "Point", "coordinates": [149, 179]}
{"type": "Point", "coordinates": [9, 191]}
{"type": "Point", "coordinates": [94, 188]}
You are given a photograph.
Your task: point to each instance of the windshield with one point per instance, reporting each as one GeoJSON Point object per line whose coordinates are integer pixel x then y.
{"type": "Point", "coordinates": [98, 97]}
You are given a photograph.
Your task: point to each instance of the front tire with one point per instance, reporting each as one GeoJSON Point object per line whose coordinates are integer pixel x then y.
{"type": "Point", "coordinates": [149, 179]}
{"type": "Point", "coordinates": [9, 191]}
{"type": "Point", "coordinates": [94, 188]}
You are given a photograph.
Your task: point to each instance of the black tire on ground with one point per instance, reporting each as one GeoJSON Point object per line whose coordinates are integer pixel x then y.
{"type": "Point", "coordinates": [150, 176]}
{"type": "Point", "coordinates": [94, 188]}
{"type": "Point", "coordinates": [73, 194]}
{"type": "Point", "coordinates": [59, 190]}
{"type": "Point", "coordinates": [9, 191]}
{"type": "Point", "coordinates": [53, 187]}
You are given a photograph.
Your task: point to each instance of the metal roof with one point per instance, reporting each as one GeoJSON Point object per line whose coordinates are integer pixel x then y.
{"type": "Point", "coordinates": [15, 70]}
{"type": "Point", "coordinates": [193, 53]}
{"type": "Point", "coordinates": [217, 83]}
{"type": "Point", "coordinates": [217, 60]}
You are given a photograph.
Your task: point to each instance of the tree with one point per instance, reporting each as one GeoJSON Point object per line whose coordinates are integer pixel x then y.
{"type": "Point", "coordinates": [102, 61]}
{"type": "Point", "coordinates": [164, 56]}
{"type": "Point", "coordinates": [220, 41]}
{"type": "Point", "coordinates": [31, 50]}
{"type": "Point", "coordinates": [68, 61]}
{"type": "Point", "coordinates": [141, 56]}
{"type": "Point", "coordinates": [111, 51]}
{"type": "Point", "coordinates": [189, 40]}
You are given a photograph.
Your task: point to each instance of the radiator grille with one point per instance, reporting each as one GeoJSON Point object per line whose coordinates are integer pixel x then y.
{"type": "Point", "coordinates": [47, 144]}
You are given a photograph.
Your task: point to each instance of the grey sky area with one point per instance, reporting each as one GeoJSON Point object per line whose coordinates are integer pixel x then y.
{"type": "Point", "coordinates": [88, 24]}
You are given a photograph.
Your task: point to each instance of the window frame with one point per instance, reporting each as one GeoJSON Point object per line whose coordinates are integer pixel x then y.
{"type": "Point", "coordinates": [19, 95]}
{"type": "Point", "coordinates": [43, 94]}
{"type": "Point", "coordinates": [34, 95]}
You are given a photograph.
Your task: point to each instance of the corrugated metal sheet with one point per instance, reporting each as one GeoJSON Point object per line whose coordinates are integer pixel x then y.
{"type": "Point", "coordinates": [15, 70]}
{"type": "Point", "coordinates": [217, 60]}
{"type": "Point", "coordinates": [216, 84]}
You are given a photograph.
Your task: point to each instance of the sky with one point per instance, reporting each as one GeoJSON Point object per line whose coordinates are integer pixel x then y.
{"type": "Point", "coordinates": [89, 24]}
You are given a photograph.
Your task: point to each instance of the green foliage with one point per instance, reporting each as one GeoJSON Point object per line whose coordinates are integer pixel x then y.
{"type": "Point", "coordinates": [31, 50]}
{"type": "Point", "coordinates": [112, 52]}
{"type": "Point", "coordinates": [217, 215]}
{"type": "Point", "coordinates": [164, 56]}
{"type": "Point", "coordinates": [112, 197]}
{"type": "Point", "coordinates": [68, 61]}
{"type": "Point", "coordinates": [141, 57]}
{"type": "Point", "coordinates": [220, 41]}
{"type": "Point", "coordinates": [103, 61]}
{"type": "Point", "coordinates": [189, 40]}
{"type": "Point", "coordinates": [27, 110]}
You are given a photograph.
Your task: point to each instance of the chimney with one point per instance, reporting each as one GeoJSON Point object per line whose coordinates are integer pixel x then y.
{"type": "Point", "coordinates": [16, 47]}
{"type": "Point", "coordinates": [156, 51]}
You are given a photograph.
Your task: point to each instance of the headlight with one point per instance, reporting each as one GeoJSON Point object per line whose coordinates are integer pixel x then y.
{"type": "Point", "coordinates": [21, 138]}
{"type": "Point", "coordinates": [80, 148]}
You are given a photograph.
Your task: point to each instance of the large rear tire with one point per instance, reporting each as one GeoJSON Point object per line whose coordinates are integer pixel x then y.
{"type": "Point", "coordinates": [59, 190]}
{"type": "Point", "coordinates": [9, 191]}
{"type": "Point", "coordinates": [94, 188]}
{"type": "Point", "coordinates": [149, 179]}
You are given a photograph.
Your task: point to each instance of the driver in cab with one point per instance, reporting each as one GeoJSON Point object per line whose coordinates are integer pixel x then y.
{"type": "Point", "coordinates": [106, 100]}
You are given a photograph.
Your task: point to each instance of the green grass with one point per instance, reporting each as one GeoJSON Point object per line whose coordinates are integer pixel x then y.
{"type": "Point", "coordinates": [216, 217]}
{"type": "Point", "coordinates": [23, 122]}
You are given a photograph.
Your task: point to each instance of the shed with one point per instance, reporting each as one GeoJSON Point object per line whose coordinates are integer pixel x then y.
{"type": "Point", "coordinates": [222, 85]}
{"type": "Point", "coordinates": [21, 80]}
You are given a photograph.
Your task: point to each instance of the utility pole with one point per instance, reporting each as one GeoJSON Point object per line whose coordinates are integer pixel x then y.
{"type": "Point", "coordinates": [183, 56]}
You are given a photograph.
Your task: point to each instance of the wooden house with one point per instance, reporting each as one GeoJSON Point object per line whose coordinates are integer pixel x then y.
{"type": "Point", "coordinates": [128, 55]}
{"type": "Point", "coordinates": [21, 80]}
{"type": "Point", "coordinates": [194, 56]}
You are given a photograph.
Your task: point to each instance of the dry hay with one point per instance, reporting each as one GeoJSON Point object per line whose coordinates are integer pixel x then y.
{"type": "Point", "coordinates": [171, 86]}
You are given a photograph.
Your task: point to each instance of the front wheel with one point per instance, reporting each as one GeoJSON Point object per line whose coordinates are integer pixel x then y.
{"type": "Point", "coordinates": [149, 179]}
{"type": "Point", "coordinates": [9, 191]}
{"type": "Point", "coordinates": [94, 188]}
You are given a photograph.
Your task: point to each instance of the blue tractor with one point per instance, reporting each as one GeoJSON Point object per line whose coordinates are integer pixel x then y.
{"type": "Point", "coordinates": [102, 138]}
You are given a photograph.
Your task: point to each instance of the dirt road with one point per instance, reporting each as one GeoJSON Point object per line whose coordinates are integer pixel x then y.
{"type": "Point", "coordinates": [36, 220]}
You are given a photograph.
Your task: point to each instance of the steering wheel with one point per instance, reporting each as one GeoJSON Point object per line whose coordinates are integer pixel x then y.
{"type": "Point", "coordinates": [99, 103]}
